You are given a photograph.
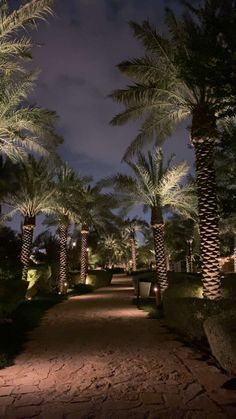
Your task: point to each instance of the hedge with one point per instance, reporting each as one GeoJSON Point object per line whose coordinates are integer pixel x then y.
{"type": "Point", "coordinates": [186, 310]}
{"type": "Point", "coordinates": [187, 315]}
{"type": "Point", "coordinates": [12, 292]}
{"type": "Point", "coordinates": [99, 278]}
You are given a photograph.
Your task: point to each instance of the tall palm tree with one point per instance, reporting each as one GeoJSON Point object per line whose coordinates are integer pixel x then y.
{"type": "Point", "coordinates": [130, 227]}
{"type": "Point", "coordinates": [14, 44]}
{"type": "Point", "coordinates": [186, 73]}
{"type": "Point", "coordinates": [69, 193]}
{"type": "Point", "coordinates": [33, 195]}
{"type": "Point", "coordinates": [157, 188]}
{"type": "Point", "coordinates": [95, 211]}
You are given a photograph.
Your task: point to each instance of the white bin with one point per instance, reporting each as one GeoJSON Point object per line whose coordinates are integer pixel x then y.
{"type": "Point", "coordinates": [144, 289]}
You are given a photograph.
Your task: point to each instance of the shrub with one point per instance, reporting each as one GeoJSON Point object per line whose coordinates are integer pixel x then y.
{"type": "Point", "coordinates": [99, 278]}
{"type": "Point", "coordinates": [39, 280]}
{"type": "Point", "coordinates": [12, 292]}
{"type": "Point", "coordinates": [10, 269]}
{"type": "Point", "coordinates": [190, 285]}
{"type": "Point", "coordinates": [187, 315]}
{"type": "Point", "coordinates": [220, 330]}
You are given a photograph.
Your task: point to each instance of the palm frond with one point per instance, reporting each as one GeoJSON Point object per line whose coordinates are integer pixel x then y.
{"type": "Point", "coordinates": [153, 41]}
{"type": "Point", "coordinates": [25, 16]}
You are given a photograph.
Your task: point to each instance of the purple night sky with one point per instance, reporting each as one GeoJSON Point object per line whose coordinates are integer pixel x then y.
{"type": "Point", "coordinates": [83, 44]}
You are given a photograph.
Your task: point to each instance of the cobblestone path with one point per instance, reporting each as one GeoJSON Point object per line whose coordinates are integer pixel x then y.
{"type": "Point", "coordinates": [98, 356]}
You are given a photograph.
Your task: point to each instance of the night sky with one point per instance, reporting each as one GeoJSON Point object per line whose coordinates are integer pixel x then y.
{"type": "Point", "coordinates": [82, 45]}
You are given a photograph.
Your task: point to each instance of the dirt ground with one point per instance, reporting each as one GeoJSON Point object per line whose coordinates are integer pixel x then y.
{"type": "Point", "coordinates": [98, 356]}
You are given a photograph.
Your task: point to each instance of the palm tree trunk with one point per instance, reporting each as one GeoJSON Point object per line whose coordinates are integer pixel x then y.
{"type": "Point", "coordinates": [157, 224]}
{"type": "Point", "coordinates": [27, 241]}
{"type": "Point", "coordinates": [84, 254]}
{"type": "Point", "coordinates": [63, 268]}
{"type": "Point", "coordinates": [203, 138]}
{"type": "Point", "coordinates": [133, 253]}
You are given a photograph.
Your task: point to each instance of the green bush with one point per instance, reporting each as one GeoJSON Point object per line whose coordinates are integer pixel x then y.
{"type": "Point", "coordinates": [190, 285]}
{"type": "Point", "coordinates": [10, 270]}
{"type": "Point", "coordinates": [99, 278]}
{"type": "Point", "coordinates": [221, 334]}
{"type": "Point", "coordinates": [187, 315]}
{"type": "Point", "coordinates": [39, 280]}
{"type": "Point", "coordinates": [12, 292]}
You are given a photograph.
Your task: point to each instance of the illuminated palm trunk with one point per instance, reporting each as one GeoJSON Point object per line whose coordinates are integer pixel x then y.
{"type": "Point", "coordinates": [203, 138]}
{"type": "Point", "coordinates": [84, 253]}
{"type": "Point", "coordinates": [133, 253]}
{"type": "Point", "coordinates": [157, 224]}
{"type": "Point", "coordinates": [63, 268]}
{"type": "Point", "coordinates": [27, 243]}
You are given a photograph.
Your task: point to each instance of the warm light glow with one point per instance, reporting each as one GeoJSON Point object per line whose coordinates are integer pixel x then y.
{"type": "Point", "coordinates": [73, 244]}
{"type": "Point", "coordinates": [155, 289]}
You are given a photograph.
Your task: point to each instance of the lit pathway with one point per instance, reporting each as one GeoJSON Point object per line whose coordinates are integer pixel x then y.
{"type": "Point", "coordinates": [97, 356]}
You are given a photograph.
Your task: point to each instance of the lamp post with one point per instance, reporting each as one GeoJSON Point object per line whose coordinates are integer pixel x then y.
{"type": "Point", "coordinates": [189, 255]}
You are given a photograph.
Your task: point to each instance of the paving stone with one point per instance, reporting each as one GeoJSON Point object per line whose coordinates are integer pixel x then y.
{"type": "Point", "coordinates": [6, 391]}
{"type": "Point", "coordinates": [6, 401]}
{"type": "Point", "coordinates": [52, 411]}
{"type": "Point", "coordinates": [191, 391]}
{"type": "Point", "coordinates": [28, 400]}
{"type": "Point", "coordinates": [23, 412]}
{"type": "Point", "coordinates": [202, 402]}
{"type": "Point", "coordinates": [121, 405]}
{"type": "Point", "coordinates": [152, 398]}
{"type": "Point", "coordinates": [173, 400]}
{"type": "Point", "coordinates": [25, 389]}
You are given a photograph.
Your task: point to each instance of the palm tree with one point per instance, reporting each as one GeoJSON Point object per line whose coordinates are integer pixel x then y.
{"type": "Point", "coordinates": [15, 48]}
{"type": "Point", "coordinates": [157, 188]}
{"type": "Point", "coordinates": [182, 239]}
{"type": "Point", "coordinates": [130, 228]}
{"type": "Point", "coordinates": [94, 211]}
{"type": "Point", "coordinates": [65, 212]}
{"type": "Point", "coordinates": [33, 195]}
{"type": "Point", "coordinates": [186, 73]}
{"type": "Point", "coordinates": [112, 248]}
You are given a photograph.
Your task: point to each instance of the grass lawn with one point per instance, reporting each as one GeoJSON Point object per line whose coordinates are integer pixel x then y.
{"type": "Point", "coordinates": [26, 317]}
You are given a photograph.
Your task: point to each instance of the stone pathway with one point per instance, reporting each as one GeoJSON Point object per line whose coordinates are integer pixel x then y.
{"type": "Point", "coordinates": [98, 356]}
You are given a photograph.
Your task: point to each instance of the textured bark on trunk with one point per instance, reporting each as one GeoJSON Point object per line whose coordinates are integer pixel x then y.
{"type": "Point", "coordinates": [133, 253]}
{"type": "Point", "coordinates": [84, 254]}
{"type": "Point", "coordinates": [27, 241]}
{"type": "Point", "coordinates": [204, 135]}
{"type": "Point", "coordinates": [157, 224]}
{"type": "Point", "coordinates": [63, 268]}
